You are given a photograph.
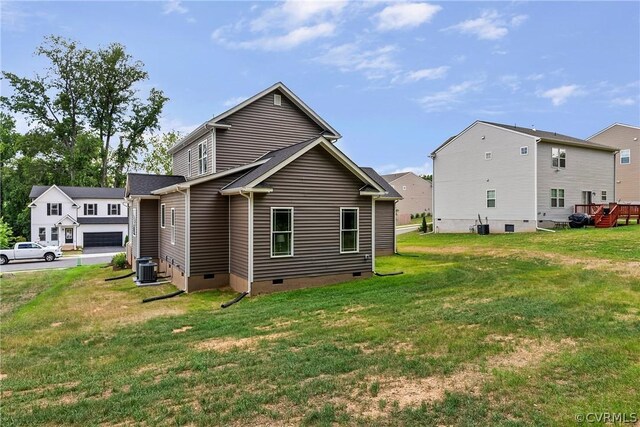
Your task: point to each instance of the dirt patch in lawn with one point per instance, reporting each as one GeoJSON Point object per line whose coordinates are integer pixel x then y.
{"type": "Point", "coordinates": [226, 344]}
{"type": "Point", "coordinates": [277, 324]}
{"type": "Point", "coordinates": [180, 330]}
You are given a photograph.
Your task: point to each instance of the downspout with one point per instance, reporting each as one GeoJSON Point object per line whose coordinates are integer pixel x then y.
{"type": "Point", "coordinates": [187, 235]}
{"type": "Point", "coordinates": [213, 147]}
{"type": "Point", "coordinates": [433, 192]}
{"type": "Point", "coordinates": [250, 241]}
{"type": "Point", "coordinates": [395, 238]}
{"type": "Point", "coordinates": [535, 187]}
{"type": "Point", "coordinates": [373, 231]}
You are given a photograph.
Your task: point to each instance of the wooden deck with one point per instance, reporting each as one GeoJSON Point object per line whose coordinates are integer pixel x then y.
{"type": "Point", "coordinates": [612, 214]}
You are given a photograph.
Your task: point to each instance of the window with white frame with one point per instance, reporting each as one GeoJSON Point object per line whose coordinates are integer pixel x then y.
{"type": "Point", "coordinates": [91, 209]}
{"type": "Point", "coordinates": [189, 162]}
{"type": "Point", "coordinates": [349, 225]}
{"type": "Point", "coordinates": [54, 234]}
{"type": "Point", "coordinates": [113, 209]}
{"type": "Point", "coordinates": [281, 232]}
{"type": "Point", "coordinates": [625, 157]}
{"type": "Point", "coordinates": [557, 197]}
{"type": "Point", "coordinates": [603, 195]}
{"type": "Point", "coordinates": [202, 157]}
{"type": "Point", "coordinates": [491, 198]}
{"type": "Point", "coordinates": [173, 226]}
{"type": "Point", "coordinates": [134, 221]}
{"type": "Point", "coordinates": [524, 151]}
{"type": "Point", "coordinates": [488, 155]}
{"type": "Point", "coordinates": [558, 157]}
{"type": "Point", "coordinates": [42, 234]}
{"type": "Point", "coordinates": [54, 209]}
{"type": "Point", "coordinates": [162, 215]}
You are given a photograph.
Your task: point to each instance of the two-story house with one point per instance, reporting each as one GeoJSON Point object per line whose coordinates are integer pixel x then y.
{"type": "Point", "coordinates": [627, 139]}
{"type": "Point", "coordinates": [415, 191]}
{"type": "Point", "coordinates": [516, 179]}
{"type": "Point", "coordinates": [262, 200]}
{"type": "Point", "coordinates": [74, 217]}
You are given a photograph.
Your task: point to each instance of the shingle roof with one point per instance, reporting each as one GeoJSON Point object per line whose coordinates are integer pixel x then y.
{"type": "Point", "coordinates": [140, 184]}
{"type": "Point", "coordinates": [393, 176]}
{"type": "Point", "coordinates": [391, 192]}
{"type": "Point", "coordinates": [103, 220]}
{"type": "Point", "coordinates": [81, 192]}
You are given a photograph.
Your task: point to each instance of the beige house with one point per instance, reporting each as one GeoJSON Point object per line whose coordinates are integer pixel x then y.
{"type": "Point", "coordinates": [626, 138]}
{"type": "Point", "coordinates": [415, 191]}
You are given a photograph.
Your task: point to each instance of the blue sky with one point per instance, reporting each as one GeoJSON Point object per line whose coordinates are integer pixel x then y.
{"type": "Point", "coordinates": [395, 78]}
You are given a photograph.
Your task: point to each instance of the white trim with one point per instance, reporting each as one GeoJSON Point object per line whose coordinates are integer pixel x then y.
{"type": "Point", "coordinates": [173, 226]}
{"type": "Point", "coordinates": [495, 198]}
{"type": "Point", "coordinates": [189, 163]}
{"type": "Point", "coordinates": [163, 215]}
{"type": "Point", "coordinates": [395, 240]}
{"type": "Point", "coordinates": [610, 126]}
{"type": "Point", "coordinates": [203, 156]}
{"type": "Point", "coordinates": [134, 213]}
{"type": "Point", "coordinates": [629, 156]}
{"type": "Point", "coordinates": [74, 223]}
{"type": "Point", "coordinates": [271, 233]}
{"type": "Point", "coordinates": [373, 233]}
{"type": "Point", "coordinates": [564, 194]}
{"type": "Point", "coordinates": [560, 150]}
{"type": "Point", "coordinates": [49, 189]}
{"type": "Point", "coordinates": [187, 237]}
{"type": "Point", "coordinates": [195, 134]}
{"type": "Point", "coordinates": [214, 143]}
{"type": "Point", "coordinates": [357, 209]}
{"type": "Point", "coordinates": [488, 155]}
{"type": "Point", "coordinates": [245, 190]}
{"type": "Point", "coordinates": [250, 269]}
{"type": "Point", "coordinates": [526, 147]}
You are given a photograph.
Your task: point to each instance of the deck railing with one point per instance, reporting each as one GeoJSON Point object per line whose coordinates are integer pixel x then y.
{"type": "Point", "coordinates": [613, 211]}
{"type": "Point", "coordinates": [589, 209]}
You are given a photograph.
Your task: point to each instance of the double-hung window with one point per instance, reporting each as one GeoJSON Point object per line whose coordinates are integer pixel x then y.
{"type": "Point", "coordinates": [603, 195]}
{"type": "Point", "coordinates": [54, 209]}
{"type": "Point", "coordinates": [491, 198]}
{"type": "Point", "coordinates": [281, 232]}
{"type": "Point", "coordinates": [54, 234]}
{"type": "Point", "coordinates": [42, 234]}
{"type": "Point", "coordinates": [113, 209]}
{"type": "Point", "coordinates": [173, 226]}
{"type": "Point", "coordinates": [558, 158]}
{"type": "Point", "coordinates": [162, 215]}
{"type": "Point", "coordinates": [557, 197]}
{"type": "Point", "coordinates": [349, 224]}
{"type": "Point", "coordinates": [625, 157]}
{"type": "Point", "coordinates": [91, 209]}
{"type": "Point", "coordinates": [134, 221]}
{"type": "Point", "coordinates": [202, 157]}
{"type": "Point", "coordinates": [189, 162]}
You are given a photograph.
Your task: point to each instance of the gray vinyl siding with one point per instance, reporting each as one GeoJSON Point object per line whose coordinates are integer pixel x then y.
{"type": "Point", "coordinates": [239, 239]}
{"type": "Point", "coordinates": [385, 233]}
{"type": "Point", "coordinates": [180, 158]}
{"type": "Point", "coordinates": [416, 194]}
{"type": "Point", "coordinates": [316, 186]}
{"type": "Point", "coordinates": [173, 253]}
{"type": "Point", "coordinates": [210, 227]}
{"type": "Point", "coordinates": [259, 128]}
{"type": "Point", "coordinates": [149, 225]}
{"type": "Point", "coordinates": [586, 170]}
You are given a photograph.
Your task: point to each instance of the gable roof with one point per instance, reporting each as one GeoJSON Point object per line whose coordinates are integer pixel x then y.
{"type": "Point", "coordinates": [79, 192]}
{"type": "Point", "coordinates": [278, 159]}
{"type": "Point", "coordinates": [216, 121]}
{"type": "Point", "coordinates": [391, 192]}
{"type": "Point", "coordinates": [612, 126]}
{"type": "Point", "coordinates": [390, 177]}
{"type": "Point", "coordinates": [69, 218]}
{"type": "Point", "coordinates": [141, 184]}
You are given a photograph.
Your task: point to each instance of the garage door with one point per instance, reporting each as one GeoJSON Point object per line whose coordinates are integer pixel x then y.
{"type": "Point", "coordinates": [93, 240]}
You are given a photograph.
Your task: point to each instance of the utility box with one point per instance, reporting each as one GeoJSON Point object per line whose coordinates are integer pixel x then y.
{"type": "Point", "coordinates": [140, 262]}
{"type": "Point", "coordinates": [147, 272]}
{"type": "Point", "coordinates": [483, 229]}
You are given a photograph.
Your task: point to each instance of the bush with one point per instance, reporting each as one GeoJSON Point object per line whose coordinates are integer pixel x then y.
{"type": "Point", "coordinates": [411, 216]}
{"type": "Point", "coordinates": [423, 214]}
{"type": "Point", "coordinates": [119, 261]}
{"type": "Point", "coordinates": [423, 227]}
{"type": "Point", "coordinates": [126, 239]}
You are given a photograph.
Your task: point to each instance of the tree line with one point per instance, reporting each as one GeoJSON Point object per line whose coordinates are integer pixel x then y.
{"type": "Point", "coordinates": [88, 125]}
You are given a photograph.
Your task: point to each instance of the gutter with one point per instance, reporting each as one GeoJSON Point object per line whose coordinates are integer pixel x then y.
{"type": "Point", "coordinates": [187, 235]}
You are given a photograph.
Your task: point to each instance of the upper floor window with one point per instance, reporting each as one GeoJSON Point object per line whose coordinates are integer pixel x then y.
{"type": "Point", "coordinates": [491, 198]}
{"type": "Point", "coordinates": [625, 157]}
{"type": "Point", "coordinates": [189, 162]}
{"type": "Point", "coordinates": [349, 227]}
{"type": "Point", "coordinates": [488, 155]}
{"type": "Point", "coordinates": [54, 209]}
{"type": "Point", "coordinates": [277, 99]}
{"type": "Point", "coordinates": [162, 215]}
{"type": "Point", "coordinates": [558, 157]}
{"type": "Point", "coordinates": [202, 157]}
{"type": "Point", "coordinates": [113, 209]}
{"type": "Point", "coordinates": [91, 209]}
{"type": "Point", "coordinates": [524, 151]}
{"type": "Point", "coordinates": [281, 232]}
{"type": "Point", "coordinates": [557, 197]}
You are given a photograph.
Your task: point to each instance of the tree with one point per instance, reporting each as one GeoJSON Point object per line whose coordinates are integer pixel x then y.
{"type": "Point", "coordinates": [158, 160]}
{"type": "Point", "coordinates": [427, 177]}
{"type": "Point", "coordinates": [5, 234]}
{"type": "Point", "coordinates": [423, 226]}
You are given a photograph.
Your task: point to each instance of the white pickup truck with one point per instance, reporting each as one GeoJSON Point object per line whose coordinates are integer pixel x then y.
{"type": "Point", "coordinates": [30, 250]}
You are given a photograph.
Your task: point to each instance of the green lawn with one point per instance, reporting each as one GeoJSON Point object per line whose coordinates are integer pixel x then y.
{"type": "Point", "coordinates": [523, 329]}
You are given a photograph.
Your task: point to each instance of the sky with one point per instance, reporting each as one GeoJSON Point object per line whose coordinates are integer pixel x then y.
{"type": "Point", "coordinates": [396, 79]}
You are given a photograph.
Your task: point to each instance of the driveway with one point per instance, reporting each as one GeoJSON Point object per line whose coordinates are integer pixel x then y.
{"type": "Point", "coordinates": [65, 262]}
{"type": "Point", "coordinates": [105, 250]}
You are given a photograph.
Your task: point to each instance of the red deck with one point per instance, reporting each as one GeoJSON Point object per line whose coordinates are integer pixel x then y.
{"type": "Point", "coordinates": [611, 214]}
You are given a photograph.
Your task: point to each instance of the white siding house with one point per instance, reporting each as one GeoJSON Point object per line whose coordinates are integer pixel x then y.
{"type": "Point", "coordinates": [74, 217]}
{"type": "Point", "coordinates": [515, 179]}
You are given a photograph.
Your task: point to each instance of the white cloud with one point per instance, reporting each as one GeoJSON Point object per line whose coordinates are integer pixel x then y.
{"type": "Point", "coordinates": [178, 125]}
{"type": "Point", "coordinates": [405, 15]}
{"type": "Point", "coordinates": [511, 81]}
{"type": "Point", "coordinates": [446, 99]}
{"type": "Point", "coordinates": [174, 6]}
{"type": "Point", "coordinates": [374, 63]}
{"type": "Point", "coordinates": [290, 40]}
{"type": "Point", "coordinates": [623, 102]}
{"type": "Point", "coordinates": [425, 169]}
{"type": "Point", "coordinates": [491, 25]}
{"type": "Point", "coordinates": [293, 13]}
{"type": "Point", "coordinates": [535, 77]}
{"type": "Point", "coordinates": [426, 74]}
{"type": "Point", "coordinates": [559, 95]}
{"type": "Point", "coordinates": [232, 102]}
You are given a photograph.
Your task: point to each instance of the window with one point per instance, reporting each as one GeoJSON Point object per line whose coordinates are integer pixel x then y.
{"type": "Point", "coordinates": [277, 99]}
{"type": "Point", "coordinates": [625, 157]}
{"type": "Point", "coordinates": [54, 209]}
{"type": "Point", "coordinates": [491, 198]}
{"type": "Point", "coordinates": [42, 234]}
{"type": "Point", "coordinates": [558, 157]}
{"type": "Point", "coordinates": [603, 195]}
{"type": "Point", "coordinates": [281, 232]}
{"type": "Point", "coordinates": [349, 223]}
{"type": "Point", "coordinates": [91, 209]}
{"type": "Point", "coordinates": [189, 162]}
{"type": "Point", "coordinates": [162, 214]}
{"type": "Point", "coordinates": [173, 226]}
{"type": "Point", "coordinates": [488, 155]}
{"type": "Point", "coordinates": [54, 234]}
{"type": "Point", "coordinates": [134, 221]}
{"type": "Point", "coordinates": [113, 209]}
{"type": "Point", "coordinates": [557, 198]}
{"type": "Point", "coordinates": [524, 151]}
{"type": "Point", "coordinates": [202, 157]}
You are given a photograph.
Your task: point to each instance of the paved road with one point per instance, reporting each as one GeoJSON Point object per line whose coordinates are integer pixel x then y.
{"type": "Point", "coordinates": [406, 228]}
{"type": "Point", "coordinates": [64, 262]}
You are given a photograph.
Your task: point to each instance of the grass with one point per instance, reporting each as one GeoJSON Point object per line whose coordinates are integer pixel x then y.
{"type": "Point", "coordinates": [526, 329]}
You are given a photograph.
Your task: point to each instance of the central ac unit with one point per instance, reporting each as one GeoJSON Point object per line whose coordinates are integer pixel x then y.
{"type": "Point", "coordinates": [147, 272]}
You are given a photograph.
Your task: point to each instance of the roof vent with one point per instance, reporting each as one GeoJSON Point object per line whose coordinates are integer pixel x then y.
{"type": "Point", "coordinates": [277, 99]}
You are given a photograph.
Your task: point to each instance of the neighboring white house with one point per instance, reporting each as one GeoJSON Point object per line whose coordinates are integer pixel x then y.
{"type": "Point", "coordinates": [75, 217]}
{"type": "Point", "coordinates": [516, 179]}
